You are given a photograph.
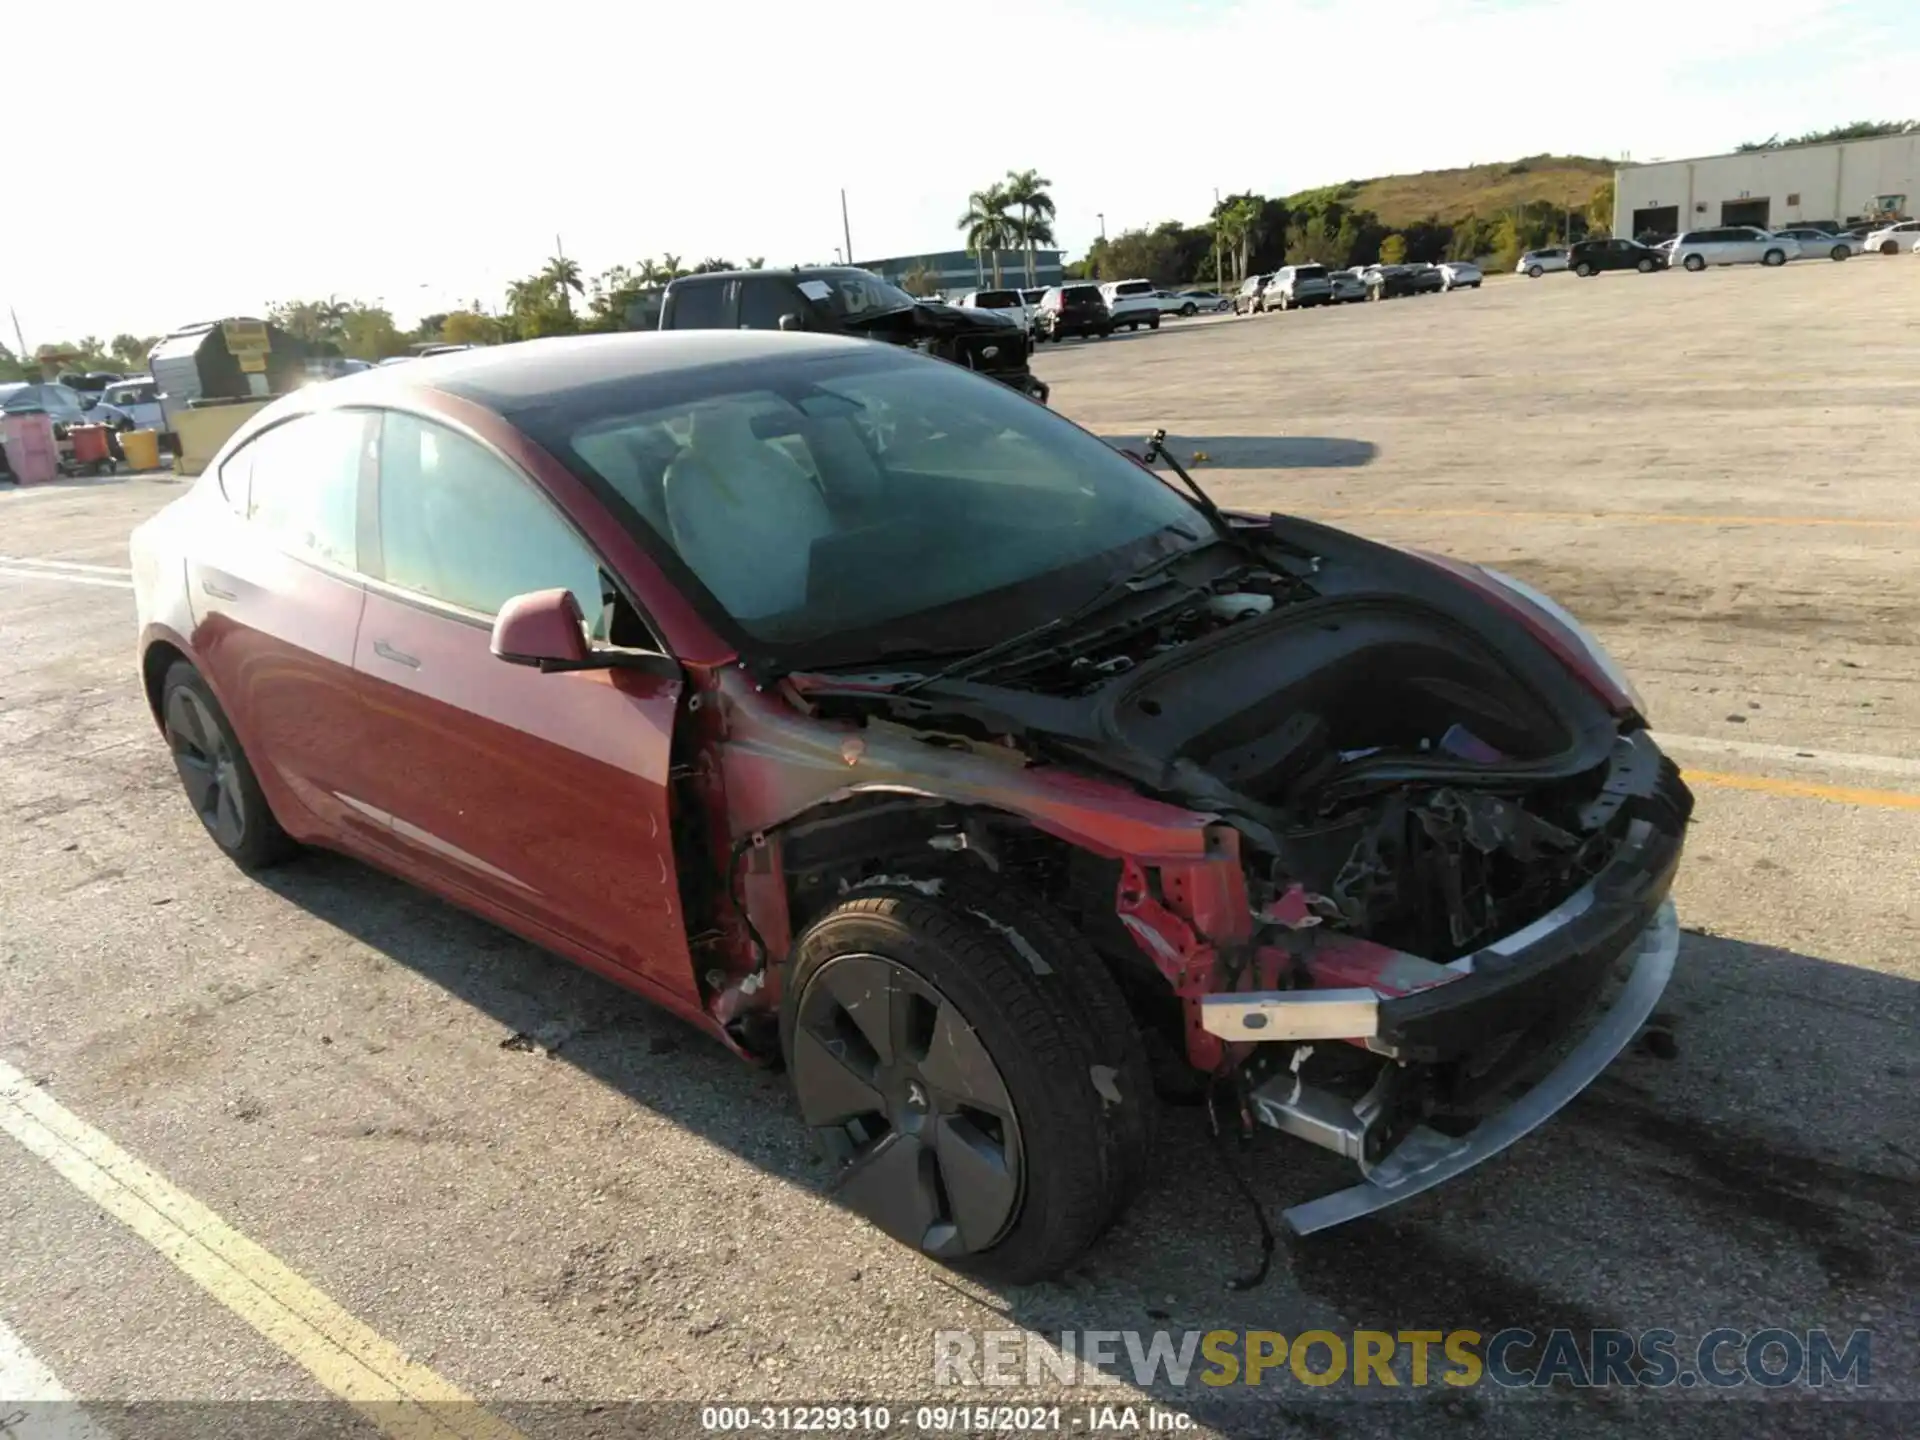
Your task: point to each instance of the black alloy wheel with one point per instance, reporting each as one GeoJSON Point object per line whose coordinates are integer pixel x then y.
{"type": "Point", "coordinates": [900, 1088]}
{"type": "Point", "coordinates": [962, 1052]}
{"type": "Point", "coordinates": [216, 775]}
{"type": "Point", "coordinates": [205, 761]}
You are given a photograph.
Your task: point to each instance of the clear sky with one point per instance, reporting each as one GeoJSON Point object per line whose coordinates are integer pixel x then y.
{"type": "Point", "coordinates": [203, 158]}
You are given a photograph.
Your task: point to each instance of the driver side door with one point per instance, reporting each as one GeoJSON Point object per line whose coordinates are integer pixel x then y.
{"type": "Point", "coordinates": [543, 797]}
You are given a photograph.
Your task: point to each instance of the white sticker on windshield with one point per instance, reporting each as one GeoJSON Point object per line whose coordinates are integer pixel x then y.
{"type": "Point", "coordinates": [815, 289]}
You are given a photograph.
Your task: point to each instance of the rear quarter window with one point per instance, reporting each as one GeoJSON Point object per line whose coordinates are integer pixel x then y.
{"type": "Point", "coordinates": [697, 307]}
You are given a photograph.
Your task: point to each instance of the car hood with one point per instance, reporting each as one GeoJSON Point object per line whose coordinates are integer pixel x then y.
{"type": "Point", "coordinates": [934, 317]}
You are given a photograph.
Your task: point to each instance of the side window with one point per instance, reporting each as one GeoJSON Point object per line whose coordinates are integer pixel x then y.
{"type": "Point", "coordinates": [459, 525]}
{"type": "Point", "coordinates": [304, 486]}
{"type": "Point", "coordinates": [699, 307]}
{"type": "Point", "coordinates": [763, 302]}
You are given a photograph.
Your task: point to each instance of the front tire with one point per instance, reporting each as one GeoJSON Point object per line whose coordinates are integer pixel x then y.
{"type": "Point", "coordinates": [1534, 272]}
{"type": "Point", "coordinates": [1889, 247]}
{"type": "Point", "coordinates": [1645, 267]}
{"type": "Point", "coordinates": [1839, 252]}
{"type": "Point", "coordinates": [1774, 257]}
{"type": "Point", "coordinates": [1188, 311]}
{"type": "Point", "coordinates": [965, 1055]}
{"type": "Point", "coordinates": [218, 778]}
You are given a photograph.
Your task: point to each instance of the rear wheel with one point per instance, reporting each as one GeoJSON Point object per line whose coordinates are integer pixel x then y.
{"type": "Point", "coordinates": [964, 1055]}
{"type": "Point", "coordinates": [1645, 267]}
{"type": "Point", "coordinates": [1583, 270]}
{"type": "Point", "coordinates": [1154, 323]}
{"type": "Point", "coordinates": [216, 775]}
{"type": "Point", "coordinates": [1534, 272]}
{"type": "Point", "coordinates": [1189, 310]}
{"type": "Point", "coordinates": [1696, 263]}
{"type": "Point", "coordinates": [1889, 247]}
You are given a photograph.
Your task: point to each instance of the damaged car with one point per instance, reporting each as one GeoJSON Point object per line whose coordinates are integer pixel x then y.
{"type": "Point", "coordinates": [891, 728]}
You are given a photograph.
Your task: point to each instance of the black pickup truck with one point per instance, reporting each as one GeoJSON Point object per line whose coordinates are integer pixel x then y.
{"type": "Point", "coordinates": [840, 300]}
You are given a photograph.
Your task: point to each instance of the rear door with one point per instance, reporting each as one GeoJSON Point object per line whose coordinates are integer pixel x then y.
{"type": "Point", "coordinates": [543, 795]}
{"type": "Point", "coordinates": [277, 602]}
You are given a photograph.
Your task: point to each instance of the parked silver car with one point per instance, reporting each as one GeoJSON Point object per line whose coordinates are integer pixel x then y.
{"type": "Point", "coordinates": [1348, 286]}
{"type": "Point", "coordinates": [1733, 245]}
{"type": "Point", "coordinates": [1460, 275]}
{"type": "Point", "coordinates": [1536, 263]}
{"type": "Point", "coordinates": [1294, 286]}
{"type": "Point", "coordinates": [1819, 243]}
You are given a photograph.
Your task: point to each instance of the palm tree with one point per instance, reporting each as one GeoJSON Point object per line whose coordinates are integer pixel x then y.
{"type": "Point", "coordinates": [330, 317]}
{"type": "Point", "coordinates": [1237, 225]}
{"type": "Point", "coordinates": [756, 262]}
{"type": "Point", "coordinates": [1034, 224]}
{"type": "Point", "coordinates": [562, 275]}
{"type": "Point", "coordinates": [989, 228]}
{"type": "Point", "coordinates": [670, 267]}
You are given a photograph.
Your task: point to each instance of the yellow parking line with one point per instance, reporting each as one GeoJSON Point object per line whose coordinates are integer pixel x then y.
{"type": "Point", "coordinates": [401, 1397]}
{"type": "Point", "coordinates": [1804, 789]}
{"type": "Point", "coordinates": [1619, 517]}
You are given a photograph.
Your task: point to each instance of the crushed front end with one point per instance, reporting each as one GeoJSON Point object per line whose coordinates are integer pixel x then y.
{"type": "Point", "coordinates": [1379, 841]}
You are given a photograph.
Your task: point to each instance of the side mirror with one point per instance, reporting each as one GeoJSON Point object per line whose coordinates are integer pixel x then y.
{"type": "Point", "coordinates": [545, 629]}
{"type": "Point", "coordinates": [791, 321]}
{"type": "Point", "coordinates": [87, 402]}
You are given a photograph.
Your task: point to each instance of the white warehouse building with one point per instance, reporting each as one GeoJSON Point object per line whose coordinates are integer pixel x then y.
{"type": "Point", "coordinates": [1845, 183]}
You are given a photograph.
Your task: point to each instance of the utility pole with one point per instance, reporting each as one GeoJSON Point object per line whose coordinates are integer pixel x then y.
{"type": "Point", "coordinates": [15, 314]}
{"type": "Point", "coordinates": [1101, 216]}
{"type": "Point", "coordinates": [846, 230]}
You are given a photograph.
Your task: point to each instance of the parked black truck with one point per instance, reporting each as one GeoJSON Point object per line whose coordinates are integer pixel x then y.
{"type": "Point", "coordinates": [840, 300]}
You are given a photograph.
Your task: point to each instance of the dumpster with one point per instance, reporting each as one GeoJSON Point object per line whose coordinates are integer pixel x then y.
{"type": "Point", "coordinates": [33, 455]}
{"type": "Point", "coordinates": [142, 449]}
{"type": "Point", "coordinates": [91, 448]}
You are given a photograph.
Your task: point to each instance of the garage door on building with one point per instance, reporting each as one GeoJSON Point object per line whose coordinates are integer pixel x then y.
{"type": "Point", "coordinates": [1747, 212]}
{"type": "Point", "coordinates": [1659, 221]}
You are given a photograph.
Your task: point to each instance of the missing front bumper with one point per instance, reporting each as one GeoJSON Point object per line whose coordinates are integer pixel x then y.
{"type": "Point", "coordinates": [1426, 1158]}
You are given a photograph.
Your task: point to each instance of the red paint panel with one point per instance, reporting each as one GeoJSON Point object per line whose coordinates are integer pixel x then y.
{"type": "Point", "coordinates": [543, 794]}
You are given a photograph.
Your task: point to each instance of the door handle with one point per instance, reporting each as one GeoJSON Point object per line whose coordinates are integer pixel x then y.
{"type": "Point", "coordinates": [207, 587]}
{"type": "Point", "coordinates": [399, 657]}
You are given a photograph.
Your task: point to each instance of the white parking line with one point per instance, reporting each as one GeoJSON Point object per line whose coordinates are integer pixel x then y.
{"type": "Point", "coordinates": [66, 577]}
{"type": "Point", "coordinates": [1803, 757]}
{"type": "Point", "coordinates": [65, 565]}
{"type": "Point", "coordinates": [34, 1405]}
{"type": "Point", "coordinates": [402, 1398]}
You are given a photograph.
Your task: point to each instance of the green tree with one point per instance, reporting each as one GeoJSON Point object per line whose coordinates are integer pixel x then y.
{"type": "Point", "coordinates": [367, 332]}
{"type": "Point", "coordinates": [1026, 191]}
{"type": "Point", "coordinates": [1393, 250]}
{"type": "Point", "coordinates": [989, 228]}
{"type": "Point", "coordinates": [471, 327]}
{"type": "Point", "coordinates": [562, 277]}
{"type": "Point", "coordinates": [1600, 209]}
{"type": "Point", "coordinates": [132, 350]}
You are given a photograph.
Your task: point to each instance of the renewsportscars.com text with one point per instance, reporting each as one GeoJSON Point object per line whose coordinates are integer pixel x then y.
{"type": "Point", "coordinates": [1515, 1358]}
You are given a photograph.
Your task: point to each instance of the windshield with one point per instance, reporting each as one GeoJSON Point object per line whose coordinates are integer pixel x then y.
{"type": "Point", "coordinates": [845, 507]}
{"type": "Point", "coordinates": [855, 294]}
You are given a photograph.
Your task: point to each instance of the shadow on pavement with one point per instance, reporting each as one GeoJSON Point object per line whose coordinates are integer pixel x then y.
{"type": "Point", "coordinates": [1260, 452]}
{"type": "Point", "coordinates": [1720, 1156]}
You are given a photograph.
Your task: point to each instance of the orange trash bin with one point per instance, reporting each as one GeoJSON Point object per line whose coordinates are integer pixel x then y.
{"type": "Point", "coordinates": [90, 446]}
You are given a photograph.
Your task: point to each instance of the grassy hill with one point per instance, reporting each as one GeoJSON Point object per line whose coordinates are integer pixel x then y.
{"type": "Point", "coordinates": [1484, 190]}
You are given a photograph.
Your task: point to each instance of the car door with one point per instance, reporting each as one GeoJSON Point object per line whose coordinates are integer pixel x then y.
{"type": "Point", "coordinates": [541, 795]}
{"type": "Point", "coordinates": [276, 599]}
